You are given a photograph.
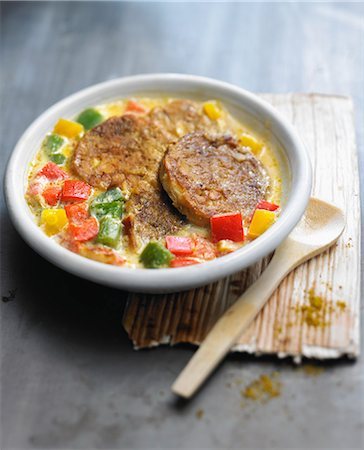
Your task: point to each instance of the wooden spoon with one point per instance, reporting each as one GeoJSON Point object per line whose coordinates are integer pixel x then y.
{"type": "Point", "coordinates": [319, 228]}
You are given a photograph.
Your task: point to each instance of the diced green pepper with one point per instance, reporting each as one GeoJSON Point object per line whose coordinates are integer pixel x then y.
{"type": "Point", "coordinates": [113, 209]}
{"type": "Point", "coordinates": [58, 158]}
{"type": "Point", "coordinates": [155, 255]}
{"type": "Point", "coordinates": [109, 196]}
{"type": "Point", "coordinates": [89, 118]}
{"type": "Point", "coordinates": [108, 208]}
{"type": "Point", "coordinates": [109, 203]}
{"type": "Point", "coordinates": [109, 232]}
{"type": "Point", "coordinates": [53, 143]}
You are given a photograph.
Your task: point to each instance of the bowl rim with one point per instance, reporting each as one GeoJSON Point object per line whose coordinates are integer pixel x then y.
{"type": "Point", "coordinates": [162, 280]}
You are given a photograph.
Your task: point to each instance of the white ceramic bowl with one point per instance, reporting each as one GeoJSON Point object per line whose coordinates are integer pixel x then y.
{"type": "Point", "coordinates": [241, 103]}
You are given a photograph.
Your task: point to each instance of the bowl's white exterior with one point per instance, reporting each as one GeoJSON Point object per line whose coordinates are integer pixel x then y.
{"type": "Point", "coordinates": [161, 280]}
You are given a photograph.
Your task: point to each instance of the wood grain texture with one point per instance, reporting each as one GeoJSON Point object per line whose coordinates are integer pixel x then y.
{"type": "Point", "coordinates": [284, 326]}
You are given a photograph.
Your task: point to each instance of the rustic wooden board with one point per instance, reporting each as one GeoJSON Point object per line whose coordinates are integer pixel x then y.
{"type": "Point", "coordinates": [287, 325]}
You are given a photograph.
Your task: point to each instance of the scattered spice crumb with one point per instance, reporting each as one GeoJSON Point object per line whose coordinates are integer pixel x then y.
{"type": "Point", "coordinates": [349, 244]}
{"type": "Point", "coordinates": [341, 305]}
{"type": "Point", "coordinates": [264, 388]}
{"type": "Point", "coordinates": [313, 313]}
{"type": "Point", "coordinates": [277, 331]}
{"type": "Point", "coordinates": [200, 413]}
{"type": "Point", "coordinates": [311, 370]}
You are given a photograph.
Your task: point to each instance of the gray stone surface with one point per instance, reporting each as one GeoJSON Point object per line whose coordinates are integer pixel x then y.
{"type": "Point", "coordinates": [69, 376]}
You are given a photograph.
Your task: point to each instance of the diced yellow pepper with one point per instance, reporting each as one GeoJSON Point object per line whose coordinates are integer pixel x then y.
{"type": "Point", "coordinates": [212, 110]}
{"type": "Point", "coordinates": [53, 220]}
{"type": "Point", "coordinates": [261, 221]}
{"type": "Point", "coordinates": [247, 140]}
{"type": "Point", "coordinates": [67, 128]}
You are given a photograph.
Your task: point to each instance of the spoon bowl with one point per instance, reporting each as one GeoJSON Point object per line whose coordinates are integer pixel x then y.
{"type": "Point", "coordinates": [321, 224]}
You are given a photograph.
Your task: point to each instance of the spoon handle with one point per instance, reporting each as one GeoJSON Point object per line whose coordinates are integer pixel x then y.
{"type": "Point", "coordinates": [231, 325]}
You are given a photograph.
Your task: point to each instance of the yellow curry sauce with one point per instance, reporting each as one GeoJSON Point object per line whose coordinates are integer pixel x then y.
{"type": "Point", "coordinates": [64, 207]}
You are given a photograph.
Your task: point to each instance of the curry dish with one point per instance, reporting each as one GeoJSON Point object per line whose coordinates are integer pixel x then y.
{"type": "Point", "coordinates": [154, 182]}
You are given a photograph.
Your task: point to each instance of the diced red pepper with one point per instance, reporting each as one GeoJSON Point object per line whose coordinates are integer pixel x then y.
{"type": "Point", "coordinates": [267, 205]}
{"type": "Point", "coordinates": [183, 262]}
{"type": "Point", "coordinates": [203, 248]}
{"type": "Point", "coordinates": [52, 195]}
{"type": "Point", "coordinates": [77, 212]}
{"type": "Point", "coordinates": [227, 226]}
{"type": "Point", "coordinates": [85, 230]}
{"type": "Point", "coordinates": [179, 245]}
{"type": "Point", "coordinates": [52, 172]}
{"type": "Point", "coordinates": [134, 106]}
{"type": "Point", "coordinates": [81, 227]}
{"type": "Point", "coordinates": [75, 191]}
